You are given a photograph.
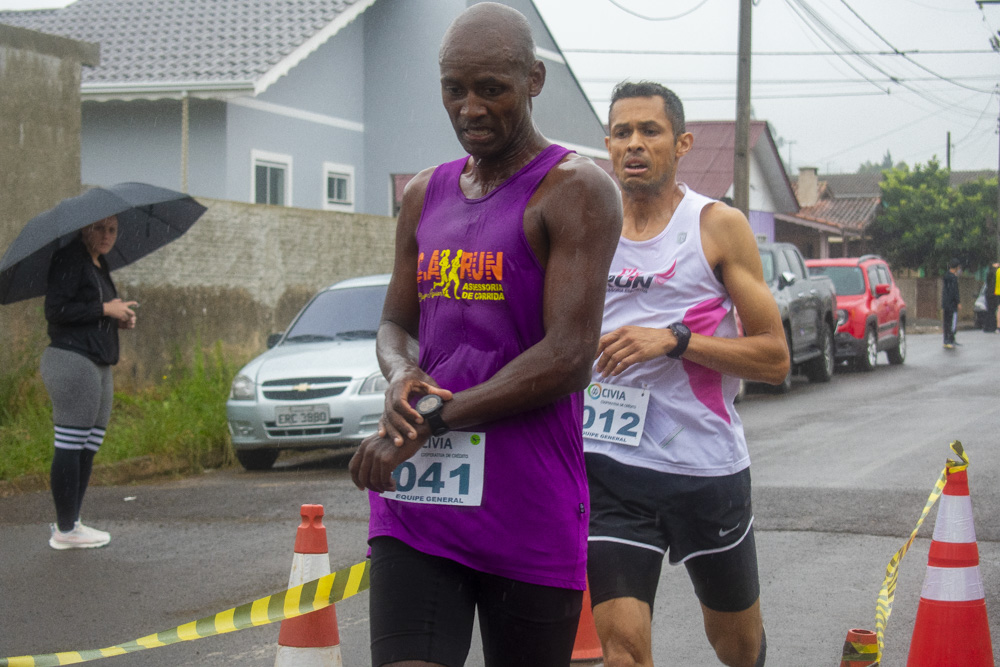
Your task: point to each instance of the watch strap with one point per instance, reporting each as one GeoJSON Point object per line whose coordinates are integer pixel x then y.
{"type": "Point", "coordinates": [683, 336]}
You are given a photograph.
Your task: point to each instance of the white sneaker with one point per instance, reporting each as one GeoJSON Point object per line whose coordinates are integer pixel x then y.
{"type": "Point", "coordinates": [76, 538]}
{"type": "Point", "coordinates": [93, 532]}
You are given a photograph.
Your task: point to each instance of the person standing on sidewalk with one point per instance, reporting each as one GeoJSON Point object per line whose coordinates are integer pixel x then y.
{"type": "Point", "coordinates": [950, 304]}
{"type": "Point", "coordinates": [667, 459]}
{"type": "Point", "coordinates": [488, 333]}
{"type": "Point", "coordinates": [84, 314]}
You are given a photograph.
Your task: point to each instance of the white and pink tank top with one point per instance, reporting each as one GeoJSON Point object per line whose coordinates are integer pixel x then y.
{"type": "Point", "coordinates": [690, 427]}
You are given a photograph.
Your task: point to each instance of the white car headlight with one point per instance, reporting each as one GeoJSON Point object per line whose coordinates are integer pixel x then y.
{"type": "Point", "coordinates": [374, 384]}
{"type": "Point", "coordinates": [243, 389]}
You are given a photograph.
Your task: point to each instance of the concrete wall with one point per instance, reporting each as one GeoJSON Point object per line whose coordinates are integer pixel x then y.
{"type": "Point", "coordinates": [39, 123]}
{"type": "Point", "coordinates": [923, 297]}
{"type": "Point", "coordinates": [39, 152]}
{"type": "Point", "coordinates": [241, 272]}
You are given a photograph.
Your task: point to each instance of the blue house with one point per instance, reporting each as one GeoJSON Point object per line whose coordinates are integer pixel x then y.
{"type": "Point", "coordinates": [308, 103]}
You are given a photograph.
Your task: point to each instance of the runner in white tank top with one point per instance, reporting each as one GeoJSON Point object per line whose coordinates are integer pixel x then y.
{"type": "Point", "coordinates": [667, 462]}
{"type": "Point", "coordinates": [691, 427]}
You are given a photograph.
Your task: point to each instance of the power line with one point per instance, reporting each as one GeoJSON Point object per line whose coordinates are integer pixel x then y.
{"type": "Point", "coordinates": [819, 22]}
{"type": "Point", "coordinates": [804, 9]}
{"type": "Point", "coordinates": [730, 98]}
{"type": "Point", "coordinates": [885, 134]}
{"type": "Point", "coordinates": [909, 59]}
{"type": "Point", "coordinates": [767, 82]}
{"type": "Point", "coordinates": [658, 18]}
{"type": "Point", "coordinates": [797, 54]}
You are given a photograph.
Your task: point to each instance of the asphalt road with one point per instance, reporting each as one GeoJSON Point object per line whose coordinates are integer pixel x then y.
{"type": "Point", "coordinates": [841, 472]}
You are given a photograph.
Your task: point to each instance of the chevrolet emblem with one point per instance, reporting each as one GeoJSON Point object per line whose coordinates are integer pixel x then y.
{"type": "Point", "coordinates": [305, 386]}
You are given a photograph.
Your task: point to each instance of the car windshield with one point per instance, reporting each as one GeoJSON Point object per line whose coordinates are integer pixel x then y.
{"type": "Point", "coordinates": [340, 314]}
{"type": "Point", "coordinates": [847, 280]}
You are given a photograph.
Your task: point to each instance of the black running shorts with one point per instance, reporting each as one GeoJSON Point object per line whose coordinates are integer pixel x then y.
{"type": "Point", "coordinates": [639, 515]}
{"type": "Point", "coordinates": [422, 607]}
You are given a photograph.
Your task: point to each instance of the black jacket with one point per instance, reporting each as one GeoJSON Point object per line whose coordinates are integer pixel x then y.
{"type": "Point", "coordinates": [74, 305]}
{"type": "Point", "coordinates": [949, 292]}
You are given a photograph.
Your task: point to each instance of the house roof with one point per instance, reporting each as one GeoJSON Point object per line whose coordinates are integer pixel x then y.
{"type": "Point", "coordinates": [852, 185]}
{"type": "Point", "coordinates": [200, 44]}
{"type": "Point", "coordinates": [708, 167]}
{"type": "Point", "coordinates": [957, 178]}
{"type": "Point", "coordinates": [848, 201]}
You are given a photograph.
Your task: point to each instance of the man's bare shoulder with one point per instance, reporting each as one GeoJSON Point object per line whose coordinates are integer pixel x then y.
{"type": "Point", "coordinates": [413, 195]}
{"type": "Point", "coordinates": [726, 234]}
{"type": "Point", "coordinates": [579, 176]}
{"type": "Point", "coordinates": [418, 184]}
{"type": "Point", "coordinates": [722, 218]}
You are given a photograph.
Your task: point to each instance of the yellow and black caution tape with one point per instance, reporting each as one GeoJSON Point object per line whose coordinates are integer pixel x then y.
{"type": "Point", "coordinates": [310, 596]}
{"type": "Point", "coordinates": [883, 607]}
{"type": "Point", "coordinates": [860, 652]}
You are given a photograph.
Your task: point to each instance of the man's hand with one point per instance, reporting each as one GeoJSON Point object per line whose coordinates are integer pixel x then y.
{"type": "Point", "coordinates": [399, 422]}
{"type": "Point", "coordinates": [629, 345]}
{"type": "Point", "coordinates": [372, 464]}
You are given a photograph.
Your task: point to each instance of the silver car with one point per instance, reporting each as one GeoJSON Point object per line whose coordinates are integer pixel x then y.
{"type": "Point", "coordinates": [319, 385]}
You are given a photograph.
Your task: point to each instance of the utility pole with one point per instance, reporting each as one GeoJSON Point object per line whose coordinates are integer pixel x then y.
{"type": "Point", "coordinates": [947, 152]}
{"type": "Point", "coordinates": [741, 157]}
{"type": "Point", "coordinates": [995, 44]}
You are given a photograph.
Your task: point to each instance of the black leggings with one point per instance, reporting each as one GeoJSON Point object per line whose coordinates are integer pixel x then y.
{"type": "Point", "coordinates": [422, 607]}
{"type": "Point", "coordinates": [69, 478]}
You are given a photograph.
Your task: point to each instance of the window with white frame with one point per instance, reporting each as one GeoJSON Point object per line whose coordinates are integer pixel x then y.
{"type": "Point", "coordinates": [338, 187]}
{"type": "Point", "coordinates": [272, 179]}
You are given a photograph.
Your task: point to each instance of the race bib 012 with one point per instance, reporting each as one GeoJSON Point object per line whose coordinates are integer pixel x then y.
{"type": "Point", "coordinates": [615, 413]}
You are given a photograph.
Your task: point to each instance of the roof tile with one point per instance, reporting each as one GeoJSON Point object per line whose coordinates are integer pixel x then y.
{"type": "Point", "coordinates": [221, 41]}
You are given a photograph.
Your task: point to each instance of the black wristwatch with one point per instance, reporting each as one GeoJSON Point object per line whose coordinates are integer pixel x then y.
{"type": "Point", "coordinates": [429, 407]}
{"type": "Point", "coordinates": [683, 335]}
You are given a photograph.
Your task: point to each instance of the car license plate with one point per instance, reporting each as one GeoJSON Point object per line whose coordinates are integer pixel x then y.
{"type": "Point", "coordinates": [302, 415]}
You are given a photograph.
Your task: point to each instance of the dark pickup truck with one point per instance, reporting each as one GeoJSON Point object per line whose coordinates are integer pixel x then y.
{"type": "Point", "coordinates": [807, 305]}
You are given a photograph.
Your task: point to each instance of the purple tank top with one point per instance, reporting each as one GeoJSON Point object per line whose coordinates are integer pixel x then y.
{"type": "Point", "coordinates": [480, 289]}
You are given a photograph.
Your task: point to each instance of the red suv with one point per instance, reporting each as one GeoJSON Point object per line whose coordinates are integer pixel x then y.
{"type": "Point", "coordinates": [871, 313]}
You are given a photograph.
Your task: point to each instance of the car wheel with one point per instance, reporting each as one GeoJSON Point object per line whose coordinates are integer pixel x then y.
{"type": "Point", "coordinates": [897, 355]}
{"type": "Point", "coordinates": [786, 384]}
{"type": "Point", "coordinates": [820, 369]}
{"type": "Point", "coordinates": [257, 459]}
{"type": "Point", "coordinates": [869, 357]}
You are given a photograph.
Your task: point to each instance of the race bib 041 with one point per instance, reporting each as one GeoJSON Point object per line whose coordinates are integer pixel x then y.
{"type": "Point", "coordinates": [448, 470]}
{"type": "Point", "coordinates": [615, 413]}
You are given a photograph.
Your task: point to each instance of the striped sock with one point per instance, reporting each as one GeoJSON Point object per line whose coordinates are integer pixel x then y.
{"type": "Point", "coordinates": [95, 439]}
{"type": "Point", "coordinates": [71, 437]}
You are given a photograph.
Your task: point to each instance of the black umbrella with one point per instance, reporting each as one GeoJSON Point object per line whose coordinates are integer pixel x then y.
{"type": "Point", "coordinates": [148, 218]}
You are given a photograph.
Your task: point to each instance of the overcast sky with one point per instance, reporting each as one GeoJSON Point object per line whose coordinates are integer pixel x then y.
{"type": "Point", "coordinates": [832, 112]}
{"type": "Point", "coordinates": [829, 111]}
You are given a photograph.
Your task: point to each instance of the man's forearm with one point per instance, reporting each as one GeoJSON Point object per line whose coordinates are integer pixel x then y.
{"type": "Point", "coordinates": [396, 349]}
{"type": "Point", "coordinates": [540, 375]}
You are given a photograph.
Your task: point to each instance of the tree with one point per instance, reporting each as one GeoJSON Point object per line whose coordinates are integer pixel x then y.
{"type": "Point", "coordinates": [924, 222]}
{"type": "Point", "coordinates": [870, 167]}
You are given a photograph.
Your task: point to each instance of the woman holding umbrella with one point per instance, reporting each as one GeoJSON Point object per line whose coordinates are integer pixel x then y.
{"type": "Point", "coordinates": [84, 314]}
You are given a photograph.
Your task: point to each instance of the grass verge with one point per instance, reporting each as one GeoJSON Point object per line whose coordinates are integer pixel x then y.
{"type": "Point", "coordinates": [177, 425]}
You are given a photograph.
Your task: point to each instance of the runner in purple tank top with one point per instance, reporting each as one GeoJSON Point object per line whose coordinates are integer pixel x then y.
{"type": "Point", "coordinates": [476, 478]}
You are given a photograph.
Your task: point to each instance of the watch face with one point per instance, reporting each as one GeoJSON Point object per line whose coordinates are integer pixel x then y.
{"type": "Point", "coordinates": [429, 403]}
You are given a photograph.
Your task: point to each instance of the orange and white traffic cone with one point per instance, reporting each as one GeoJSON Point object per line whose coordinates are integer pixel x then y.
{"type": "Point", "coordinates": [310, 640]}
{"type": "Point", "coordinates": [951, 626]}
{"type": "Point", "coordinates": [587, 645]}
{"type": "Point", "coordinates": [860, 649]}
